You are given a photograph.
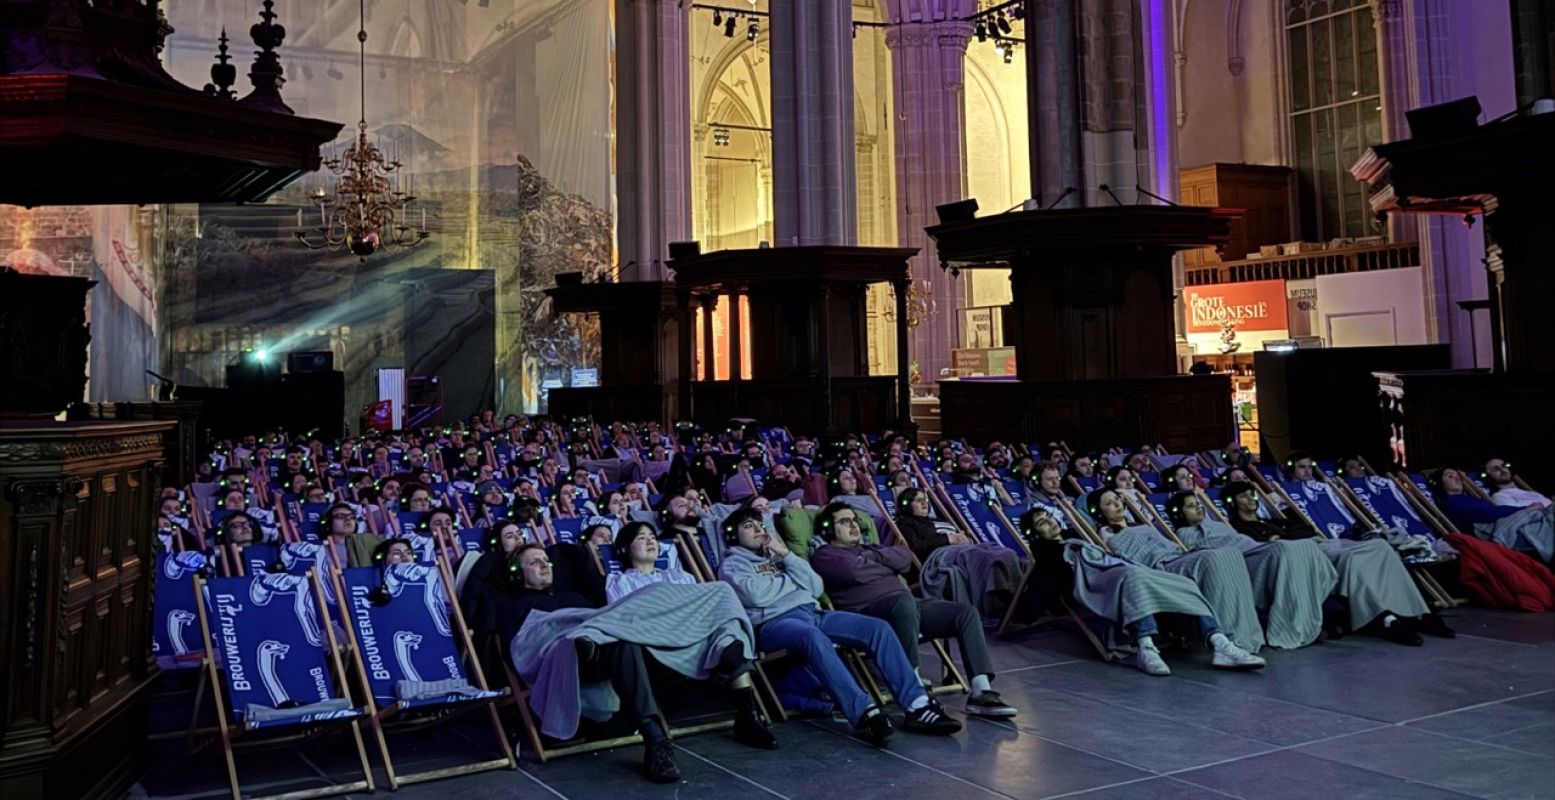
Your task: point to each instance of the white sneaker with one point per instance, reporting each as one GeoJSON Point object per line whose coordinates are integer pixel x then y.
{"type": "Point", "coordinates": [1229, 656]}
{"type": "Point", "coordinates": [1149, 661]}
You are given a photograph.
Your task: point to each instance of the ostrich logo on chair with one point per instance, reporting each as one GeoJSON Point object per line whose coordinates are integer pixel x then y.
{"type": "Point", "coordinates": [271, 654]}
{"type": "Point", "coordinates": [397, 577]}
{"type": "Point", "coordinates": [266, 588]}
{"type": "Point", "coordinates": [177, 620]}
{"type": "Point", "coordinates": [404, 642]}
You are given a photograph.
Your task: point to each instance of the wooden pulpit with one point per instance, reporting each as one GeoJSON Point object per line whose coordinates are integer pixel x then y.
{"type": "Point", "coordinates": [637, 341]}
{"type": "Point", "coordinates": [1092, 317]}
{"type": "Point", "coordinates": [809, 337]}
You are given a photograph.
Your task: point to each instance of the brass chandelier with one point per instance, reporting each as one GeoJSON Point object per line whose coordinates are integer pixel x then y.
{"type": "Point", "coordinates": [370, 210]}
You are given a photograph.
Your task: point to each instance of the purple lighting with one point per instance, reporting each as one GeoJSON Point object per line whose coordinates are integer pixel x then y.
{"type": "Point", "coordinates": [1160, 101]}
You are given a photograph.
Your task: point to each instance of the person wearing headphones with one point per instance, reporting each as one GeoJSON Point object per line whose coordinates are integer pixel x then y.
{"type": "Point", "coordinates": [1503, 487]}
{"type": "Point", "coordinates": [867, 579]}
{"type": "Point", "coordinates": [1220, 575]}
{"type": "Point", "coordinates": [1381, 597]}
{"type": "Point", "coordinates": [1530, 530]}
{"type": "Point", "coordinates": [780, 594]}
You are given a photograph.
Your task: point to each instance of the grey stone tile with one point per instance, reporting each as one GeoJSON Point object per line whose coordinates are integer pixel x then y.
{"type": "Point", "coordinates": [815, 760]}
{"type": "Point", "coordinates": [1152, 789]}
{"type": "Point", "coordinates": [1476, 769]}
{"type": "Point", "coordinates": [1526, 720]}
{"type": "Point", "coordinates": [1146, 741]}
{"type": "Point", "coordinates": [1289, 775]}
{"type": "Point", "coordinates": [1365, 677]}
{"type": "Point", "coordinates": [1012, 761]}
{"type": "Point", "coordinates": [1224, 708]}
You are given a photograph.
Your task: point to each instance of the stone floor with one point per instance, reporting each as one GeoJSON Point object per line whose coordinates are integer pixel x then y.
{"type": "Point", "coordinates": [1472, 717]}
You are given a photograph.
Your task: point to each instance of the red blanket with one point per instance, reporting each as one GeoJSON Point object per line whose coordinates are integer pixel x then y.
{"type": "Point", "coordinates": [1502, 578]}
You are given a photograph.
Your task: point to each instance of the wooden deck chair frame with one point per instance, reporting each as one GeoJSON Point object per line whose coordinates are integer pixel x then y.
{"type": "Point", "coordinates": [1153, 518]}
{"type": "Point", "coordinates": [228, 735]}
{"type": "Point", "coordinates": [376, 717]}
{"type": "Point", "coordinates": [1007, 625]}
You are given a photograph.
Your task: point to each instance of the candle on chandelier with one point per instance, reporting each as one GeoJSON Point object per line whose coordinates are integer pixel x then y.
{"type": "Point", "coordinates": [299, 219]}
{"type": "Point", "coordinates": [423, 217]}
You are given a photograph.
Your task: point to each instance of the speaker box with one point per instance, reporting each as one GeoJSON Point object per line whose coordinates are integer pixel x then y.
{"type": "Point", "coordinates": [315, 401]}
{"type": "Point", "coordinates": [298, 363]}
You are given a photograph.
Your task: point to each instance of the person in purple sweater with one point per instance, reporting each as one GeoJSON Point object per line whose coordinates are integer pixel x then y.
{"type": "Point", "coordinates": [867, 579]}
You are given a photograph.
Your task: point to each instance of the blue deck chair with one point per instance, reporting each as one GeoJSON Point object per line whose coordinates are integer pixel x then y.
{"type": "Point", "coordinates": [1088, 485]}
{"type": "Point", "coordinates": [299, 557]}
{"type": "Point", "coordinates": [1388, 502]}
{"type": "Point", "coordinates": [472, 540]}
{"type": "Point", "coordinates": [411, 651]}
{"type": "Point", "coordinates": [274, 666]}
{"type": "Point", "coordinates": [175, 634]}
{"type": "Point", "coordinates": [568, 529]}
{"type": "Point", "coordinates": [1150, 479]}
{"type": "Point", "coordinates": [978, 505]}
{"type": "Point", "coordinates": [1321, 506]}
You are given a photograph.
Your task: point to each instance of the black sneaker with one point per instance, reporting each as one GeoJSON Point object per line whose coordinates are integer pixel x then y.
{"type": "Point", "coordinates": [751, 730]}
{"type": "Point", "coordinates": [988, 704]}
{"type": "Point", "coordinates": [931, 718]}
{"type": "Point", "coordinates": [875, 727]}
{"type": "Point", "coordinates": [1400, 632]}
{"type": "Point", "coordinates": [1433, 625]}
{"type": "Point", "coordinates": [659, 761]}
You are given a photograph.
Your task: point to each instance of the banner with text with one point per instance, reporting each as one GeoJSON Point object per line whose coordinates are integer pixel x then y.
{"type": "Point", "coordinates": [1252, 306]}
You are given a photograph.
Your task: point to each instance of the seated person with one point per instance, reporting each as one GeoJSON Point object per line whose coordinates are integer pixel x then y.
{"type": "Point", "coordinates": [1121, 480]}
{"type": "Point", "coordinates": [1083, 465]}
{"type": "Point", "coordinates": [1290, 578]}
{"type": "Point", "coordinates": [1221, 575]}
{"type": "Point", "coordinates": [782, 483]}
{"type": "Point", "coordinates": [1179, 478]}
{"type": "Point", "coordinates": [843, 482]}
{"type": "Point", "coordinates": [1129, 595]}
{"type": "Point", "coordinates": [988, 573]}
{"type": "Point", "coordinates": [394, 551]}
{"type": "Point", "coordinates": [492, 503]}
{"type": "Point", "coordinates": [1530, 530]}
{"type": "Point", "coordinates": [698, 637]}
{"type": "Point", "coordinates": [901, 481]}
{"type": "Point", "coordinates": [1049, 493]}
{"type": "Point", "coordinates": [636, 547]}
{"type": "Point", "coordinates": [779, 592]}
{"type": "Point", "coordinates": [344, 542]}
{"type": "Point", "coordinates": [967, 470]}
{"type": "Point", "coordinates": [1352, 467]}
{"type": "Point", "coordinates": [418, 500]}
{"type": "Point", "coordinates": [614, 511]}
{"type": "Point", "coordinates": [1373, 582]}
{"type": "Point", "coordinates": [867, 579]}
{"type": "Point", "coordinates": [1504, 490]}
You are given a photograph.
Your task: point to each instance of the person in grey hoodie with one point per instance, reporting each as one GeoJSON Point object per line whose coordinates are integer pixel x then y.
{"type": "Point", "coordinates": [779, 592]}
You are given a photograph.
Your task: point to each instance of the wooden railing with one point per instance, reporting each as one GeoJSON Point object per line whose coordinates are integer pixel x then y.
{"type": "Point", "coordinates": [1363, 258]}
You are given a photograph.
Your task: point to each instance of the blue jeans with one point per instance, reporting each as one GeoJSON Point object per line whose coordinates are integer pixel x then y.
{"type": "Point", "coordinates": [810, 634]}
{"type": "Point", "coordinates": [1146, 627]}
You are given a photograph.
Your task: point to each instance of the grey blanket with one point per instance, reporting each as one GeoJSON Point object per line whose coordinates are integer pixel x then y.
{"type": "Point", "coordinates": [1125, 593]}
{"type": "Point", "coordinates": [970, 573]}
{"type": "Point", "coordinates": [1221, 576]}
{"type": "Point", "coordinates": [1372, 579]}
{"type": "Point", "coordinates": [1290, 579]}
{"type": "Point", "coordinates": [684, 627]}
{"type": "Point", "coordinates": [1531, 530]}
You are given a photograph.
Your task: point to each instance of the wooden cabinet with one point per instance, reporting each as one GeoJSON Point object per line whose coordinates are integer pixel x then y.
{"type": "Point", "coordinates": [77, 527]}
{"type": "Point", "coordinates": [1262, 192]}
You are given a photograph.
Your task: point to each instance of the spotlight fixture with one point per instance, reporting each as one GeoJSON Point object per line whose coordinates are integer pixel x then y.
{"type": "Point", "coordinates": [981, 31]}
{"type": "Point", "coordinates": [754, 30]}
{"type": "Point", "coordinates": [1004, 24]}
{"type": "Point", "coordinates": [1009, 54]}
{"type": "Point", "coordinates": [720, 137]}
{"type": "Point", "coordinates": [1018, 12]}
{"type": "Point", "coordinates": [729, 26]}
{"type": "Point", "coordinates": [718, 18]}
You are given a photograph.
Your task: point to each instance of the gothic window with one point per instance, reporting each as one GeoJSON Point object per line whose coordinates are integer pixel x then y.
{"type": "Point", "coordinates": [1335, 112]}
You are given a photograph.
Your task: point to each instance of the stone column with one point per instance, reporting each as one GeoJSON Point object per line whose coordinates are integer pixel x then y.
{"type": "Point", "coordinates": [653, 133]}
{"type": "Point", "coordinates": [929, 61]}
{"type": "Point", "coordinates": [814, 190]}
{"type": "Point", "coordinates": [1083, 97]}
